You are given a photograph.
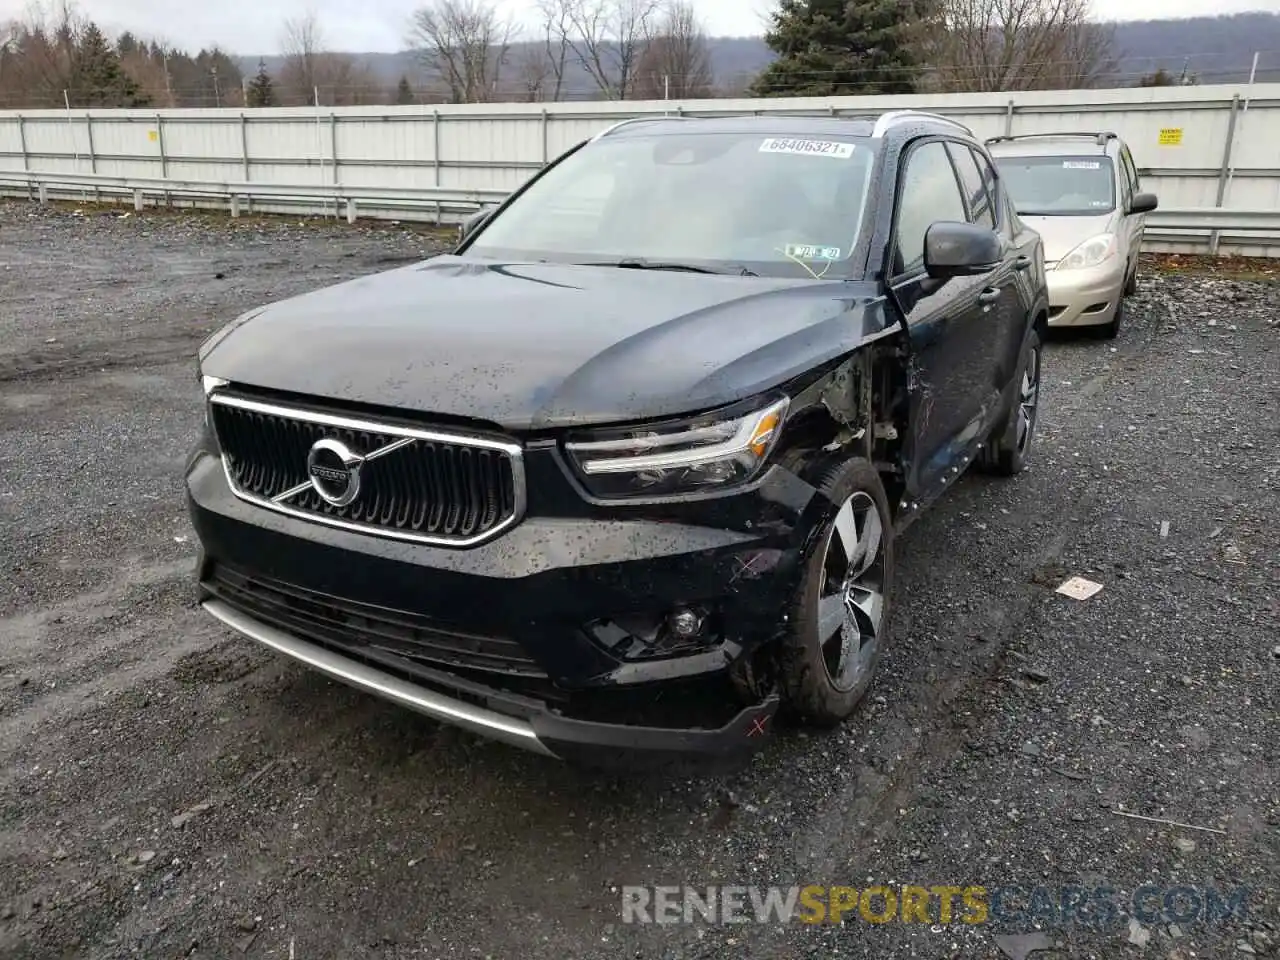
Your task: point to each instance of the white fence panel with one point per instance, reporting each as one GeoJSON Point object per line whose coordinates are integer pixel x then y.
{"type": "Point", "coordinates": [52, 139]}
{"type": "Point", "coordinates": [212, 139]}
{"type": "Point", "coordinates": [124, 140]}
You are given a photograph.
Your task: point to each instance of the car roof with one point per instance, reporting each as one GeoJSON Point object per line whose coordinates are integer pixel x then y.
{"type": "Point", "coordinates": [1053, 145]}
{"type": "Point", "coordinates": [794, 125]}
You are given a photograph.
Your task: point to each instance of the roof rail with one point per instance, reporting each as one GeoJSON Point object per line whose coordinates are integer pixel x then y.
{"type": "Point", "coordinates": [886, 120]}
{"type": "Point", "coordinates": [1100, 138]}
{"type": "Point", "coordinates": [630, 120]}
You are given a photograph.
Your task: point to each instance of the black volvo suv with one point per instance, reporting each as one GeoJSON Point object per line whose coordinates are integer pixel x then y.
{"type": "Point", "coordinates": [620, 477]}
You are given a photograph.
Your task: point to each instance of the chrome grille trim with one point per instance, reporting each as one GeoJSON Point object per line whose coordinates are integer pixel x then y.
{"type": "Point", "coordinates": [512, 450]}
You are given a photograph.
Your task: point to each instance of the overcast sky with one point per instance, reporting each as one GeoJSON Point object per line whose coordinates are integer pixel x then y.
{"type": "Point", "coordinates": [253, 26]}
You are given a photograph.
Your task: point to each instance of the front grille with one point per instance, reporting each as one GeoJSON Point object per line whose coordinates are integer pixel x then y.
{"type": "Point", "coordinates": [346, 623]}
{"type": "Point", "coordinates": [414, 484]}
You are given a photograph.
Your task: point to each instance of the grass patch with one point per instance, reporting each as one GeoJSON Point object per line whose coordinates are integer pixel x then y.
{"type": "Point", "coordinates": [1254, 269]}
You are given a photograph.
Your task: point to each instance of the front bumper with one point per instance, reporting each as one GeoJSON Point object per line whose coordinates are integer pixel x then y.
{"type": "Point", "coordinates": [1080, 298]}
{"type": "Point", "coordinates": [356, 607]}
{"type": "Point", "coordinates": [538, 730]}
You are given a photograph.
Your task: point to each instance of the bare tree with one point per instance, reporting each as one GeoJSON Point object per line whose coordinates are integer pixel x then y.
{"type": "Point", "coordinates": [464, 44]}
{"type": "Point", "coordinates": [676, 61]}
{"type": "Point", "coordinates": [310, 70]}
{"type": "Point", "coordinates": [41, 53]}
{"type": "Point", "coordinates": [533, 72]}
{"type": "Point", "coordinates": [302, 44]}
{"type": "Point", "coordinates": [151, 76]}
{"type": "Point", "coordinates": [9, 52]}
{"type": "Point", "coordinates": [555, 49]}
{"type": "Point", "coordinates": [993, 45]}
{"type": "Point", "coordinates": [344, 81]}
{"type": "Point", "coordinates": [608, 37]}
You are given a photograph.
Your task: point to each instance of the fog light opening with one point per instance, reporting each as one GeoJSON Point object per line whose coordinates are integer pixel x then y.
{"type": "Point", "coordinates": [686, 623]}
{"type": "Point", "coordinates": [680, 630]}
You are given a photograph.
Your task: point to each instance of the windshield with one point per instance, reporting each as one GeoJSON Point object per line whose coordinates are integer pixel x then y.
{"type": "Point", "coordinates": [1059, 186]}
{"type": "Point", "coordinates": [735, 202]}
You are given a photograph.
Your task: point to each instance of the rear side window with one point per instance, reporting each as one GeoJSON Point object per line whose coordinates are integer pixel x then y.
{"type": "Point", "coordinates": [975, 191]}
{"type": "Point", "coordinates": [929, 193]}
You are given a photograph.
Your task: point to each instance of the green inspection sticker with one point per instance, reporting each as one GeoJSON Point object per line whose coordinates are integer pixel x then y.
{"type": "Point", "coordinates": [804, 251]}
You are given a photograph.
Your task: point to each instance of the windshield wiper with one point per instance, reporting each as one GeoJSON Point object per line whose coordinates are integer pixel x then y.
{"type": "Point", "coordinates": [639, 263]}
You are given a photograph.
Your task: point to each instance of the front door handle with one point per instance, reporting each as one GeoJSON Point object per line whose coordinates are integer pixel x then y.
{"type": "Point", "coordinates": [989, 295]}
{"type": "Point", "coordinates": [1021, 263]}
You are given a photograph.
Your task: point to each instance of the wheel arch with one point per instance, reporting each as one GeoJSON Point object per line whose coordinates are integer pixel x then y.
{"type": "Point", "coordinates": [1041, 322]}
{"type": "Point", "coordinates": [857, 408]}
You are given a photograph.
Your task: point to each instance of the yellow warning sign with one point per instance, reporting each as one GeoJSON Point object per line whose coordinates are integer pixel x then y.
{"type": "Point", "coordinates": [153, 135]}
{"type": "Point", "coordinates": [1170, 136]}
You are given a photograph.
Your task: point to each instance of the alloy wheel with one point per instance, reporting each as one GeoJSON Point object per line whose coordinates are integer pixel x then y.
{"type": "Point", "coordinates": [851, 600]}
{"type": "Point", "coordinates": [1028, 400]}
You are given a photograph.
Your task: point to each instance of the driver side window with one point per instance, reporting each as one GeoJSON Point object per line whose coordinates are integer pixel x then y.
{"type": "Point", "coordinates": [929, 193]}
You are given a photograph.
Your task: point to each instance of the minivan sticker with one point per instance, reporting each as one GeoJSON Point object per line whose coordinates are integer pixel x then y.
{"type": "Point", "coordinates": [1081, 165]}
{"type": "Point", "coordinates": [810, 148]}
{"type": "Point", "coordinates": [807, 251]}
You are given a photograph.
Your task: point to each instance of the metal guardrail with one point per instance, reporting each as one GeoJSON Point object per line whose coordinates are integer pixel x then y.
{"type": "Point", "coordinates": [448, 204]}
{"type": "Point", "coordinates": [439, 203]}
{"type": "Point", "coordinates": [1225, 219]}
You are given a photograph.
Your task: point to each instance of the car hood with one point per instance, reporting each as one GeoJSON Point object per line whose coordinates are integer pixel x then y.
{"type": "Point", "coordinates": [528, 346]}
{"type": "Point", "coordinates": [1061, 235]}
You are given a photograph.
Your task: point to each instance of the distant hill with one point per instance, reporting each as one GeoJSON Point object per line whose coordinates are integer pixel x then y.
{"type": "Point", "coordinates": [1210, 49]}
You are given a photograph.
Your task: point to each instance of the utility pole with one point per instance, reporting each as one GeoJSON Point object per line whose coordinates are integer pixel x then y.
{"type": "Point", "coordinates": [217, 92]}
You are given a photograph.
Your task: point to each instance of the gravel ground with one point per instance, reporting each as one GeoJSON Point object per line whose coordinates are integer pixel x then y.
{"type": "Point", "coordinates": [168, 790]}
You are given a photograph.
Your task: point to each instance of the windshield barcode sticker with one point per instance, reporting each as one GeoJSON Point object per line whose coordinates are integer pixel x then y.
{"type": "Point", "coordinates": [1081, 165]}
{"type": "Point", "coordinates": [811, 148]}
{"type": "Point", "coordinates": [802, 251]}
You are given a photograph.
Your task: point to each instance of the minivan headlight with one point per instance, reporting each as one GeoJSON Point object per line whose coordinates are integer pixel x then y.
{"type": "Point", "coordinates": [700, 454]}
{"type": "Point", "coordinates": [1092, 252]}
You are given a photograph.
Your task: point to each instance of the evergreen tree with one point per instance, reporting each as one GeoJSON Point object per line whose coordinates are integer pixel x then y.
{"type": "Point", "coordinates": [404, 92]}
{"type": "Point", "coordinates": [262, 91]}
{"type": "Point", "coordinates": [841, 47]}
{"type": "Point", "coordinates": [97, 78]}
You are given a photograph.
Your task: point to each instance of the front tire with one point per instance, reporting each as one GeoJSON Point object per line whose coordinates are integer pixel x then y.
{"type": "Point", "coordinates": [840, 617]}
{"type": "Point", "coordinates": [1111, 329]}
{"type": "Point", "coordinates": [1009, 448]}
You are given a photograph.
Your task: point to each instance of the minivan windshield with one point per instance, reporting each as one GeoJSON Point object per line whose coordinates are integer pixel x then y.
{"type": "Point", "coordinates": [1060, 186]}
{"type": "Point", "coordinates": [727, 202]}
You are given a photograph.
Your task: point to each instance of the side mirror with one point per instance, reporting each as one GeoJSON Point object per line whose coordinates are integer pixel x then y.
{"type": "Point", "coordinates": [1143, 203]}
{"type": "Point", "coordinates": [953, 249]}
{"type": "Point", "coordinates": [473, 222]}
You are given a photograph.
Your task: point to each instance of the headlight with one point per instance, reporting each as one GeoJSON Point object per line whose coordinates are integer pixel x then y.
{"type": "Point", "coordinates": [1092, 252]}
{"type": "Point", "coordinates": [704, 453]}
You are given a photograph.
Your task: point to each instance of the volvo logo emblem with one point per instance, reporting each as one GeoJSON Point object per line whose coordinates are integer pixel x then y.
{"type": "Point", "coordinates": [334, 469]}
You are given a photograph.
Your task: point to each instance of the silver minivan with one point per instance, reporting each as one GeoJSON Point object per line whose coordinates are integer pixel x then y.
{"type": "Point", "coordinates": [1082, 193]}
